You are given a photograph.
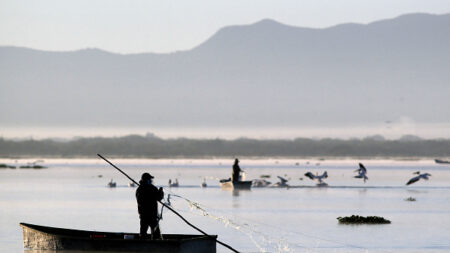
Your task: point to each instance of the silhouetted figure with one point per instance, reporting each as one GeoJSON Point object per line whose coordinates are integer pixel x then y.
{"type": "Point", "coordinates": [235, 177]}
{"type": "Point", "coordinates": [147, 196]}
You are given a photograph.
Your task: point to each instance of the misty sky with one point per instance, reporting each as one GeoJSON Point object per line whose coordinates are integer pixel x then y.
{"type": "Point", "coordinates": [169, 25]}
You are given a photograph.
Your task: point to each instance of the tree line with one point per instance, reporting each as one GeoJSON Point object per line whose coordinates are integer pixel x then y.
{"type": "Point", "coordinates": [136, 146]}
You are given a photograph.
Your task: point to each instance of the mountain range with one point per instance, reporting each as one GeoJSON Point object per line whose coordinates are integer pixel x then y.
{"type": "Point", "coordinates": [262, 74]}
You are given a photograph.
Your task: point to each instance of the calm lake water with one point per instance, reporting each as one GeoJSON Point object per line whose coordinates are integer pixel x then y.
{"type": "Point", "coordinates": [70, 194]}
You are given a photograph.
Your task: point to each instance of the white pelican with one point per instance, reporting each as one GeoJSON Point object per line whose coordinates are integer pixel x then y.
{"type": "Point", "coordinates": [175, 184]}
{"type": "Point", "coordinates": [282, 183]}
{"type": "Point", "coordinates": [418, 177]}
{"type": "Point", "coordinates": [362, 171]}
{"type": "Point", "coordinates": [318, 178]}
{"type": "Point", "coordinates": [260, 183]}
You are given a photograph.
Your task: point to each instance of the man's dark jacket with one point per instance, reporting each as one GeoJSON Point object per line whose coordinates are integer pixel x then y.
{"type": "Point", "coordinates": [147, 196]}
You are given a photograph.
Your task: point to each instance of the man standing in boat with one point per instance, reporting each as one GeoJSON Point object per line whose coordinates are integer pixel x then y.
{"type": "Point", "coordinates": [236, 171]}
{"type": "Point", "coordinates": [147, 196]}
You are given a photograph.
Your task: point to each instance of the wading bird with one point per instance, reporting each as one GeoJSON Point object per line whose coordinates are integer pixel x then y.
{"type": "Point", "coordinates": [362, 171]}
{"type": "Point", "coordinates": [112, 184]}
{"type": "Point", "coordinates": [282, 183]}
{"type": "Point", "coordinates": [318, 178]}
{"type": "Point", "coordinates": [418, 177]}
{"type": "Point", "coordinates": [204, 183]}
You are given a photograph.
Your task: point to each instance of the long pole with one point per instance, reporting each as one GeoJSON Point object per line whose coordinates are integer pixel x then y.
{"type": "Point", "coordinates": [168, 207]}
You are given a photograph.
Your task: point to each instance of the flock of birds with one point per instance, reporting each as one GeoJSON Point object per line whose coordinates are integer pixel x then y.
{"type": "Point", "coordinates": [362, 173]}
{"type": "Point", "coordinates": [112, 184]}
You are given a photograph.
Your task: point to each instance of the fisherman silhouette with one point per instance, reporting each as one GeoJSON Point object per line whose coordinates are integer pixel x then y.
{"type": "Point", "coordinates": [147, 196]}
{"type": "Point", "coordinates": [236, 171]}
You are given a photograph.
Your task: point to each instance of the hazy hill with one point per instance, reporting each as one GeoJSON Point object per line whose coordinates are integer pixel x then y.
{"type": "Point", "coordinates": [266, 73]}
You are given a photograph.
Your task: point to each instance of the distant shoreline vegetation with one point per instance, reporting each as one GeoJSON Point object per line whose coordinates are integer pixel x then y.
{"type": "Point", "coordinates": [150, 146]}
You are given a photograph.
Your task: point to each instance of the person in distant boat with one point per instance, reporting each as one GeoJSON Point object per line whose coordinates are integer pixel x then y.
{"type": "Point", "coordinates": [235, 177]}
{"type": "Point", "coordinates": [147, 196]}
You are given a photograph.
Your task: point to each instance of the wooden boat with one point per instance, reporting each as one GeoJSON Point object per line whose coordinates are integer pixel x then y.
{"type": "Point", "coordinates": [241, 185]}
{"type": "Point", "coordinates": [49, 238]}
{"type": "Point", "coordinates": [441, 161]}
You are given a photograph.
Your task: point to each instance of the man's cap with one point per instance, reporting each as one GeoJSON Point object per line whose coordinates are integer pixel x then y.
{"type": "Point", "coordinates": [146, 176]}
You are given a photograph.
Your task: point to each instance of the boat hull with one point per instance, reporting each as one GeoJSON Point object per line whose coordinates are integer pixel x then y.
{"type": "Point", "coordinates": [49, 238]}
{"type": "Point", "coordinates": [441, 161]}
{"type": "Point", "coordinates": [241, 185]}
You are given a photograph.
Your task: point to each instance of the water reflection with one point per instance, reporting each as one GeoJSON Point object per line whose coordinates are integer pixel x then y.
{"type": "Point", "coordinates": [261, 218]}
{"type": "Point", "coordinates": [235, 192]}
{"type": "Point", "coordinates": [238, 192]}
{"type": "Point", "coordinates": [417, 191]}
{"type": "Point", "coordinates": [362, 191]}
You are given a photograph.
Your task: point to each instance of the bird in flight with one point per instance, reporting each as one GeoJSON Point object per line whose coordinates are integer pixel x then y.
{"type": "Point", "coordinates": [418, 177]}
{"type": "Point", "coordinates": [362, 171]}
{"type": "Point", "coordinates": [318, 178]}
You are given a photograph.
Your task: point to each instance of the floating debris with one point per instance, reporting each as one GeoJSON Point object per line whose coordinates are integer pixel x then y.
{"type": "Point", "coordinates": [410, 199]}
{"type": "Point", "coordinates": [356, 219]}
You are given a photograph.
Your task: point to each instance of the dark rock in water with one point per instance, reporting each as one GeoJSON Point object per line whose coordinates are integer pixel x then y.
{"type": "Point", "coordinates": [356, 219]}
{"type": "Point", "coordinates": [410, 199]}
